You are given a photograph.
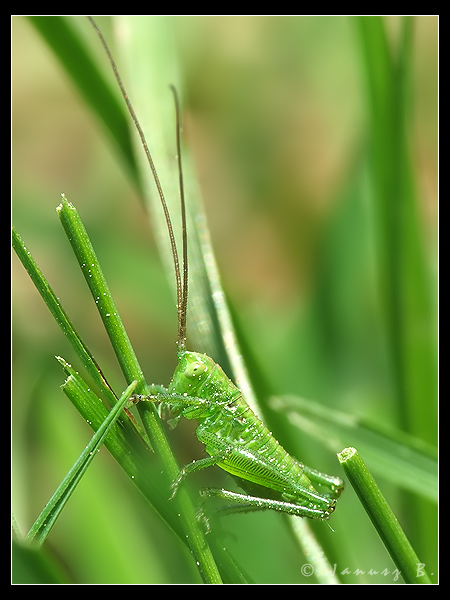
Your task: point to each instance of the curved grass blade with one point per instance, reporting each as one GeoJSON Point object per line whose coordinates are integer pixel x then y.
{"type": "Point", "coordinates": [44, 523]}
{"type": "Point", "coordinates": [210, 326]}
{"type": "Point", "coordinates": [81, 65]}
{"type": "Point", "coordinates": [393, 455]}
{"type": "Point", "coordinates": [317, 559]}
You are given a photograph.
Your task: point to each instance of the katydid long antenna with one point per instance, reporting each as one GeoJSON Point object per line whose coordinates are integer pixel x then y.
{"type": "Point", "coordinates": [181, 281]}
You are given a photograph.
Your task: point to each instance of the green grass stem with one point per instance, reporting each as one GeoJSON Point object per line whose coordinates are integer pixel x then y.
{"type": "Point", "coordinates": [381, 515]}
{"type": "Point", "coordinates": [126, 356]}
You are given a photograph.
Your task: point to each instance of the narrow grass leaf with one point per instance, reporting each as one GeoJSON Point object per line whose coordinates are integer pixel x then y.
{"type": "Point", "coordinates": [394, 455]}
{"type": "Point", "coordinates": [80, 64]}
{"type": "Point", "coordinates": [44, 523]}
{"type": "Point", "coordinates": [404, 278]}
{"type": "Point", "coordinates": [210, 326]}
{"type": "Point", "coordinates": [96, 281]}
{"type": "Point", "coordinates": [313, 551]}
{"type": "Point", "coordinates": [60, 316]}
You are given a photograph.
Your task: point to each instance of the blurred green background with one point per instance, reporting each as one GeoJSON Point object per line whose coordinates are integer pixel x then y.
{"type": "Point", "coordinates": [328, 258]}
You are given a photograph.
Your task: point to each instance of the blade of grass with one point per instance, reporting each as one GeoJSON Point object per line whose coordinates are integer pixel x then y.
{"type": "Point", "coordinates": [382, 517]}
{"type": "Point", "coordinates": [313, 551]}
{"type": "Point", "coordinates": [115, 329]}
{"type": "Point", "coordinates": [107, 309]}
{"type": "Point", "coordinates": [124, 443]}
{"type": "Point", "coordinates": [60, 316]}
{"type": "Point", "coordinates": [80, 64]}
{"type": "Point", "coordinates": [210, 326]}
{"type": "Point", "coordinates": [44, 523]}
{"type": "Point", "coordinates": [392, 454]}
{"type": "Point", "coordinates": [404, 280]}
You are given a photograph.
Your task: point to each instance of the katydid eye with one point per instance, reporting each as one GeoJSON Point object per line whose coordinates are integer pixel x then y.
{"type": "Point", "coordinates": [195, 369]}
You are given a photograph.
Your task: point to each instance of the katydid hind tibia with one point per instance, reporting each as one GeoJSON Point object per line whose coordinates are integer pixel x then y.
{"type": "Point", "coordinates": [234, 437]}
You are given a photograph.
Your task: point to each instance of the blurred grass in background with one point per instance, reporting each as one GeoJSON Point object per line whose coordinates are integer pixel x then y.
{"type": "Point", "coordinates": [318, 166]}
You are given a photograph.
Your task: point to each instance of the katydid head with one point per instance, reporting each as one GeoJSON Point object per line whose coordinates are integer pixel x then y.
{"type": "Point", "coordinates": [192, 370]}
{"type": "Point", "coordinates": [181, 276]}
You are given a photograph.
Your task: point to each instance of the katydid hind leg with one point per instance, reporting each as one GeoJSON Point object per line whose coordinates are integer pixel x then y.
{"type": "Point", "coordinates": [247, 503]}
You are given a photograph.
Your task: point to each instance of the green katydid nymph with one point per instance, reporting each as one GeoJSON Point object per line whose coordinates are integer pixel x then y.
{"type": "Point", "coordinates": [235, 438]}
